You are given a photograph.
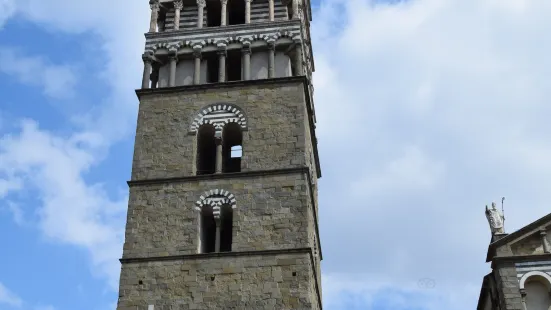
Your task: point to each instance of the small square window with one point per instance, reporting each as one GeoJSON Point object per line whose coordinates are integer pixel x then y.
{"type": "Point", "coordinates": [236, 151]}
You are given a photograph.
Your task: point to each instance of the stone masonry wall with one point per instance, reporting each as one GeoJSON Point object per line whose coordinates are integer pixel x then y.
{"type": "Point", "coordinates": [528, 246]}
{"type": "Point", "coordinates": [282, 281]}
{"type": "Point", "coordinates": [275, 114]}
{"type": "Point", "coordinates": [507, 283]}
{"type": "Point", "coordinates": [273, 212]}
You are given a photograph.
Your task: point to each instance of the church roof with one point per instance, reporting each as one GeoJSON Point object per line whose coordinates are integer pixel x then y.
{"type": "Point", "coordinates": [544, 221]}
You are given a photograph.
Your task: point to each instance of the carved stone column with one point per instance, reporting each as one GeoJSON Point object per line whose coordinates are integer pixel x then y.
{"type": "Point", "coordinates": [155, 6]}
{"type": "Point", "coordinates": [178, 6]}
{"type": "Point", "coordinates": [155, 75]}
{"type": "Point", "coordinates": [246, 62]}
{"type": "Point", "coordinates": [146, 71]}
{"type": "Point", "coordinates": [222, 63]}
{"type": "Point", "coordinates": [217, 239]}
{"type": "Point", "coordinates": [546, 247]}
{"type": "Point", "coordinates": [201, 4]}
{"type": "Point", "coordinates": [197, 72]}
{"type": "Point", "coordinates": [271, 5]}
{"type": "Point", "coordinates": [299, 70]}
{"type": "Point", "coordinates": [218, 139]}
{"type": "Point", "coordinates": [248, 11]}
{"type": "Point", "coordinates": [523, 298]}
{"type": "Point", "coordinates": [224, 13]}
{"type": "Point", "coordinates": [271, 60]}
{"type": "Point", "coordinates": [173, 64]}
{"type": "Point", "coordinates": [295, 9]}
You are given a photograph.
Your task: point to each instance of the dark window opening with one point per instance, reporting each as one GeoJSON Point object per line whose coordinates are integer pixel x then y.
{"type": "Point", "coordinates": [161, 21]}
{"type": "Point", "coordinates": [290, 10]}
{"type": "Point", "coordinates": [293, 62]}
{"type": "Point", "coordinates": [232, 139]}
{"type": "Point", "coordinates": [206, 150]}
{"type": "Point", "coordinates": [213, 66]}
{"type": "Point", "coordinates": [226, 229]}
{"type": "Point", "coordinates": [214, 13]}
{"type": "Point", "coordinates": [233, 65]}
{"type": "Point", "coordinates": [208, 230]}
{"type": "Point", "coordinates": [236, 12]}
{"type": "Point", "coordinates": [155, 75]}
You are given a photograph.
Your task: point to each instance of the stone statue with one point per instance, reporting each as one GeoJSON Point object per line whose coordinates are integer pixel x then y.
{"type": "Point", "coordinates": [495, 219]}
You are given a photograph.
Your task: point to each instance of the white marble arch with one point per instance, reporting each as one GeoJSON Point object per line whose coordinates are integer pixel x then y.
{"type": "Point", "coordinates": [538, 274]}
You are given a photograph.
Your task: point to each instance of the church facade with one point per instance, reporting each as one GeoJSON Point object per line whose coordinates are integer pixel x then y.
{"type": "Point", "coordinates": [521, 266]}
{"type": "Point", "coordinates": [223, 207]}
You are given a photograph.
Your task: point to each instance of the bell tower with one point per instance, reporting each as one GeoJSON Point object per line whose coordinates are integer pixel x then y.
{"type": "Point", "coordinates": [223, 208]}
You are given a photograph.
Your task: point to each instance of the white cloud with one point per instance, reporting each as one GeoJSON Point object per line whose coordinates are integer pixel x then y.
{"type": "Point", "coordinates": [7, 9]}
{"type": "Point", "coordinates": [427, 111]}
{"type": "Point", "coordinates": [446, 109]}
{"type": "Point", "coordinates": [72, 211]}
{"type": "Point", "coordinates": [16, 212]}
{"type": "Point", "coordinates": [9, 298]}
{"type": "Point", "coordinates": [120, 26]}
{"type": "Point", "coordinates": [57, 81]}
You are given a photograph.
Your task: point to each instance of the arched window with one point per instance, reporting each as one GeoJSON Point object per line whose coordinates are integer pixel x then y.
{"type": "Point", "coordinates": [216, 221]}
{"type": "Point", "coordinates": [236, 12]}
{"type": "Point", "coordinates": [214, 13]}
{"type": "Point", "coordinates": [537, 294]}
{"type": "Point", "coordinates": [206, 150]}
{"type": "Point", "coordinates": [232, 140]}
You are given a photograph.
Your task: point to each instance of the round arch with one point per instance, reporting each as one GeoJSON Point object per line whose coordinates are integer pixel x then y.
{"type": "Point", "coordinates": [535, 274]}
{"type": "Point", "coordinates": [219, 114]}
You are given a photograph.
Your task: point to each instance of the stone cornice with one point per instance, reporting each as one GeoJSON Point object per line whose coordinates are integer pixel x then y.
{"type": "Point", "coordinates": [221, 85]}
{"type": "Point", "coordinates": [220, 176]}
{"type": "Point", "coordinates": [498, 260]}
{"type": "Point", "coordinates": [130, 260]}
{"type": "Point", "coordinates": [222, 29]}
{"type": "Point", "coordinates": [243, 34]}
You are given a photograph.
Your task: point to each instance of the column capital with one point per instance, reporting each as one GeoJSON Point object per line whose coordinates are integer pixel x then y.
{"type": "Point", "coordinates": [201, 3]}
{"type": "Point", "coordinates": [246, 49]}
{"type": "Point", "coordinates": [147, 57]}
{"type": "Point", "coordinates": [271, 44]}
{"type": "Point", "coordinates": [178, 4]}
{"type": "Point", "coordinates": [173, 56]}
{"type": "Point", "coordinates": [216, 214]}
{"type": "Point", "coordinates": [154, 5]}
{"type": "Point", "coordinates": [221, 48]}
{"type": "Point", "coordinates": [248, 1]}
{"type": "Point", "coordinates": [197, 49]}
{"type": "Point", "coordinates": [224, 2]}
{"type": "Point", "coordinates": [543, 232]}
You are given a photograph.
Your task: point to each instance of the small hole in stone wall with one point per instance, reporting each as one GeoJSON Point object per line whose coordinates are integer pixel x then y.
{"type": "Point", "coordinates": [140, 282]}
{"type": "Point", "coordinates": [212, 278]}
{"type": "Point", "coordinates": [294, 274]}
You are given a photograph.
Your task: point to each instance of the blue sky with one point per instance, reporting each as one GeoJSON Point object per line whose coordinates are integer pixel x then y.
{"type": "Point", "coordinates": [427, 110]}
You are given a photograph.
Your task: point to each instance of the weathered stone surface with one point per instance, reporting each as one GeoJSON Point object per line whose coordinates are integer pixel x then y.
{"type": "Point", "coordinates": [250, 282]}
{"type": "Point", "coordinates": [272, 212]}
{"type": "Point", "coordinates": [508, 286]}
{"type": "Point", "coordinates": [276, 136]}
{"type": "Point", "coordinates": [530, 245]}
